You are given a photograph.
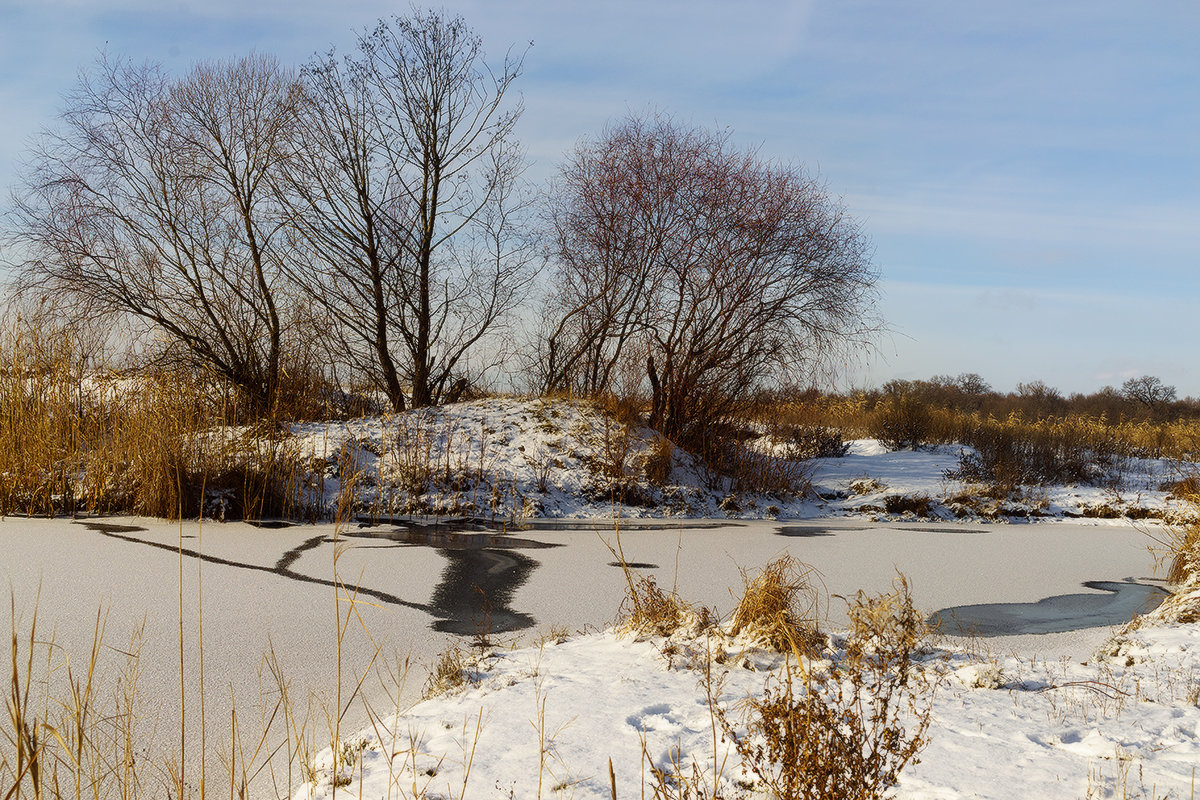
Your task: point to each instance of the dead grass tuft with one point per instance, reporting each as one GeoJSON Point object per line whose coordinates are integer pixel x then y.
{"type": "Point", "coordinates": [1179, 545]}
{"type": "Point", "coordinates": [451, 671]}
{"type": "Point", "coordinates": [650, 610]}
{"type": "Point", "coordinates": [659, 461]}
{"type": "Point", "coordinates": [1180, 548]}
{"type": "Point", "coordinates": [781, 606]}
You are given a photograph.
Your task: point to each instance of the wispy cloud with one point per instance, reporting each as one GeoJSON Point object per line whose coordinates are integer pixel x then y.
{"type": "Point", "coordinates": [1028, 171]}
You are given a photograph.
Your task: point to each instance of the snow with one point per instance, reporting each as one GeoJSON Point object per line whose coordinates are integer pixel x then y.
{"type": "Point", "coordinates": [1118, 725]}
{"type": "Point", "coordinates": [511, 460]}
{"type": "Point", "coordinates": [549, 719]}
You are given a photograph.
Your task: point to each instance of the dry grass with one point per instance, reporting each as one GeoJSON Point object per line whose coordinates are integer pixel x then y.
{"type": "Point", "coordinates": [449, 672]}
{"type": "Point", "coordinates": [69, 732]}
{"type": "Point", "coordinates": [160, 444]}
{"type": "Point", "coordinates": [650, 610]}
{"type": "Point", "coordinates": [1017, 442]}
{"type": "Point", "coordinates": [745, 470]}
{"type": "Point", "coordinates": [1185, 564]}
{"type": "Point", "coordinates": [659, 461]}
{"type": "Point", "coordinates": [847, 730]}
{"type": "Point", "coordinates": [781, 606]}
{"type": "Point", "coordinates": [1179, 545]}
{"type": "Point", "coordinates": [1014, 452]}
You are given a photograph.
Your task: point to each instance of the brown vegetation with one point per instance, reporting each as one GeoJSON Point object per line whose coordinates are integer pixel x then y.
{"type": "Point", "coordinates": [159, 443]}
{"type": "Point", "coordinates": [781, 606]}
{"type": "Point", "coordinates": [846, 729]}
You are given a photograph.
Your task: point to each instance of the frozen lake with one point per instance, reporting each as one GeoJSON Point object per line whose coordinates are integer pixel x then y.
{"type": "Point", "coordinates": [271, 588]}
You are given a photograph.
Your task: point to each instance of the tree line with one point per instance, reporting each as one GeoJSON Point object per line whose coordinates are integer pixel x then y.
{"type": "Point", "coordinates": [371, 209]}
{"type": "Point", "coordinates": [1142, 398]}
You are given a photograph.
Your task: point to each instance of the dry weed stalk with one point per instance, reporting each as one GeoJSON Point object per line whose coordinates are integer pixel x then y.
{"type": "Point", "coordinates": [843, 731]}
{"type": "Point", "coordinates": [65, 735]}
{"type": "Point", "coordinates": [1180, 544]}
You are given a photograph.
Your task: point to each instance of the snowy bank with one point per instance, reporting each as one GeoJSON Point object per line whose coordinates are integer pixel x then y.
{"type": "Point", "coordinates": [555, 718]}
{"type": "Point", "coordinates": [506, 461]}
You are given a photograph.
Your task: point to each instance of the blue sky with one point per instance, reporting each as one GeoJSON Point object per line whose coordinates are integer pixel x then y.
{"type": "Point", "coordinates": [1028, 172]}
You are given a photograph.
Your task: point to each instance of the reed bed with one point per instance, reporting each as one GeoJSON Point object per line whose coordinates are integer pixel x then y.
{"type": "Point", "coordinates": [162, 443]}
{"type": "Point", "coordinates": [1010, 449]}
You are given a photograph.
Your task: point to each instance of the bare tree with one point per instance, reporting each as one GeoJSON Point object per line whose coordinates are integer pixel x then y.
{"type": "Point", "coordinates": [721, 271]}
{"type": "Point", "coordinates": [152, 200]}
{"type": "Point", "coordinates": [1148, 390]}
{"type": "Point", "coordinates": [407, 202]}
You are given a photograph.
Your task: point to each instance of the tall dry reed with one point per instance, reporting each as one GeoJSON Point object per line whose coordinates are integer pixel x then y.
{"type": "Point", "coordinates": [160, 443]}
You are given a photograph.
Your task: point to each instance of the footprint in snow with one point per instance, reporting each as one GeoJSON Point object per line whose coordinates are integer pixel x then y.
{"type": "Point", "coordinates": [655, 718]}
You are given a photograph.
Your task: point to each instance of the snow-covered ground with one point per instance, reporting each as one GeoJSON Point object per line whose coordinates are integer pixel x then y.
{"type": "Point", "coordinates": [1034, 716]}
{"type": "Point", "coordinates": [547, 720]}
{"type": "Point", "coordinates": [513, 460]}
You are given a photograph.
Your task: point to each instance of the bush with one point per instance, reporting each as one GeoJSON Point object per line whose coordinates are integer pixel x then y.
{"type": "Point", "coordinates": [1013, 452]}
{"type": "Point", "coordinates": [805, 442]}
{"type": "Point", "coordinates": [840, 732]}
{"type": "Point", "coordinates": [902, 422]}
{"type": "Point", "coordinates": [659, 462]}
{"type": "Point", "coordinates": [750, 471]}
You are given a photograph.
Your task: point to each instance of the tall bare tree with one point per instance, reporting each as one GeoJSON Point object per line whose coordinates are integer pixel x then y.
{"type": "Point", "coordinates": [1148, 390]}
{"type": "Point", "coordinates": [152, 199]}
{"type": "Point", "coordinates": [407, 202]}
{"type": "Point", "coordinates": [717, 270]}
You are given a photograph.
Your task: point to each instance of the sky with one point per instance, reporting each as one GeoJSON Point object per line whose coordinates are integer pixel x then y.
{"type": "Point", "coordinates": [1028, 173]}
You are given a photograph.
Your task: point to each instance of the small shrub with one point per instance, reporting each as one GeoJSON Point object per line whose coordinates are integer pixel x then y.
{"type": "Point", "coordinates": [749, 471]}
{"type": "Point", "coordinates": [1011, 453]}
{"type": "Point", "coordinates": [903, 423]}
{"type": "Point", "coordinates": [806, 441]}
{"type": "Point", "coordinates": [1100, 511]}
{"type": "Point", "coordinates": [919, 504]}
{"type": "Point", "coordinates": [659, 461]}
{"type": "Point", "coordinates": [845, 731]}
{"type": "Point", "coordinates": [781, 606]}
{"type": "Point", "coordinates": [625, 410]}
{"type": "Point", "coordinates": [617, 442]}
{"type": "Point", "coordinates": [648, 609]}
